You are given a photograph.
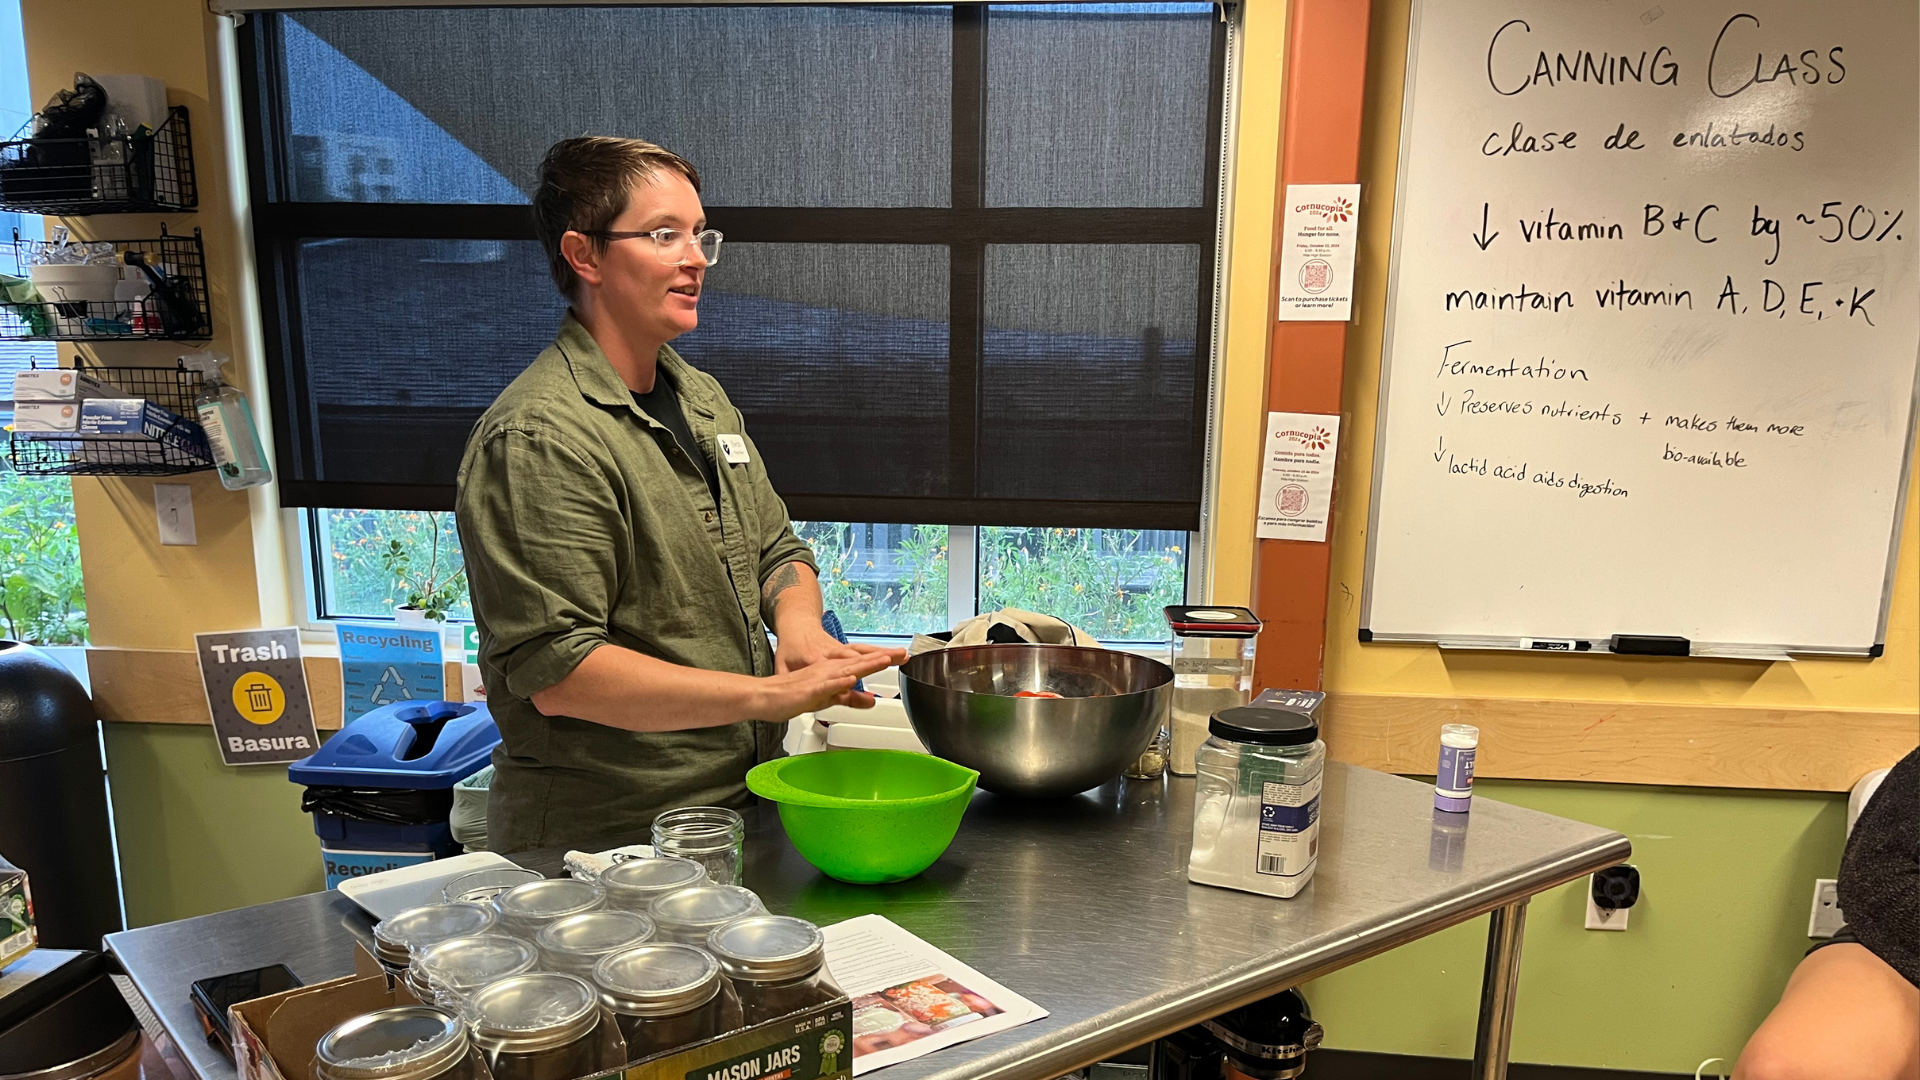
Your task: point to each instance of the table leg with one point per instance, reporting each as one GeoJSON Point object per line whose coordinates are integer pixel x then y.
{"type": "Point", "coordinates": [1498, 986]}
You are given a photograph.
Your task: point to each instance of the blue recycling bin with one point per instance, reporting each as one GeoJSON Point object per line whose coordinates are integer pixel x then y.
{"type": "Point", "coordinates": [380, 790]}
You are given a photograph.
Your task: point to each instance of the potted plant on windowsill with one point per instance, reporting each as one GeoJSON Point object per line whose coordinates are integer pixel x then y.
{"type": "Point", "coordinates": [429, 594]}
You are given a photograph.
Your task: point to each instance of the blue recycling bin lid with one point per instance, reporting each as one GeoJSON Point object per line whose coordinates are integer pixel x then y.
{"type": "Point", "coordinates": [423, 745]}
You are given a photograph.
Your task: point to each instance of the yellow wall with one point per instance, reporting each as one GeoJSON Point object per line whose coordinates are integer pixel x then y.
{"type": "Point", "coordinates": [139, 594]}
{"type": "Point", "coordinates": [1242, 393]}
{"type": "Point", "coordinates": [195, 835]}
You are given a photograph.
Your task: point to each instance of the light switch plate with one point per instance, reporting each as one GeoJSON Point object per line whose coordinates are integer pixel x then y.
{"type": "Point", "coordinates": [1599, 918]}
{"type": "Point", "coordinates": [173, 506]}
{"type": "Point", "coordinates": [1826, 918]}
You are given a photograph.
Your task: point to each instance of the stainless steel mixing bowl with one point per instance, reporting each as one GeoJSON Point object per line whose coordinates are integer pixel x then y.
{"type": "Point", "coordinates": [960, 703]}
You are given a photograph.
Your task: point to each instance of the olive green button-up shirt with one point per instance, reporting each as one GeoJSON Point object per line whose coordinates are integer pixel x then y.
{"type": "Point", "coordinates": [583, 524]}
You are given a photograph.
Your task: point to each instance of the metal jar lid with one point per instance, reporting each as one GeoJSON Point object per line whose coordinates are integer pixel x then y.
{"type": "Point", "coordinates": [660, 979]}
{"type": "Point", "coordinates": [540, 902]}
{"type": "Point", "coordinates": [409, 1043]}
{"type": "Point", "coordinates": [768, 948]}
{"type": "Point", "coordinates": [577, 942]}
{"type": "Point", "coordinates": [687, 914]}
{"type": "Point", "coordinates": [464, 964]}
{"type": "Point", "coordinates": [652, 877]}
{"type": "Point", "coordinates": [536, 1011]}
{"type": "Point", "coordinates": [396, 938]}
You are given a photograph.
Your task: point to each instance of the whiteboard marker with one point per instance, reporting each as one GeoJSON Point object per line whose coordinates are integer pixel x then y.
{"type": "Point", "coordinates": [1556, 645]}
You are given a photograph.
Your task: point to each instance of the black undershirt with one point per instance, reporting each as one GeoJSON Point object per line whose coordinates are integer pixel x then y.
{"type": "Point", "coordinates": [663, 404]}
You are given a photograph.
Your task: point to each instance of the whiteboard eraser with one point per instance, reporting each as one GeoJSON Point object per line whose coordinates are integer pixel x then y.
{"type": "Point", "coordinates": [1650, 645]}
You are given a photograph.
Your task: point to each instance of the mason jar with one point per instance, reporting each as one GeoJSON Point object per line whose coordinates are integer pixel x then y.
{"type": "Point", "coordinates": [576, 943]}
{"type": "Point", "coordinates": [713, 836]}
{"type": "Point", "coordinates": [665, 995]}
{"type": "Point", "coordinates": [689, 915]}
{"type": "Point", "coordinates": [412, 1042]}
{"type": "Point", "coordinates": [545, 1025]}
{"type": "Point", "coordinates": [524, 909]}
{"type": "Point", "coordinates": [398, 937]}
{"type": "Point", "coordinates": [447, 973]}
{"type": "Point", "coordinates": [777, 964]}
{"type": "Point", "coordinates": [634, 884]}
{"type": "Point", "coordinates": [1256, 801]}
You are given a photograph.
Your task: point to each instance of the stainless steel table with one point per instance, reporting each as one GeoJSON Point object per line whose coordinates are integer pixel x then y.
{"type": "Point", "coordinates": [1080, 904]}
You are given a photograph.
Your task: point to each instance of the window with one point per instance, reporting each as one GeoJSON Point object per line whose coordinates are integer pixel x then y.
{"type": "Point", "coordinates": [879, 580]}
{"type": "Point", "coordinates": [970, 248]}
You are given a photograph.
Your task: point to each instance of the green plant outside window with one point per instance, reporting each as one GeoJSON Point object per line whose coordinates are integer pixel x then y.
{"type": "Point", "coordinates": [44, 599]}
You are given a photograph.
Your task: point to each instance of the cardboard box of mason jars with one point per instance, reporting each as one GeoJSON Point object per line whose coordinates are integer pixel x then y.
{"type": "Point", "coordinates": [274, 1037]}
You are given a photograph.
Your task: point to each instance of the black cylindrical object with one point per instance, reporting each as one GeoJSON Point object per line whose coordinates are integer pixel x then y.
{"type": "Point", "coordinates": [53, 799]}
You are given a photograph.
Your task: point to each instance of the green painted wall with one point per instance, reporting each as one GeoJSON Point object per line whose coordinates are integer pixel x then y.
{"type": "Point", "coordinates": [1727, 881]}
{"type": "Point", "coordinates": [197, 836]}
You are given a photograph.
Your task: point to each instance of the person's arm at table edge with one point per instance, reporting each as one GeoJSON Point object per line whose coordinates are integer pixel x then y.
{"type": "Point", "coordinates": [625, 689]}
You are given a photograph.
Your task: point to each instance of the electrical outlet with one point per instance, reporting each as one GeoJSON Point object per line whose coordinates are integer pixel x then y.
{"type": "Point", "coordinates": [1826, 919]}
{"type": "Point", "coordinates": [1599, 918]}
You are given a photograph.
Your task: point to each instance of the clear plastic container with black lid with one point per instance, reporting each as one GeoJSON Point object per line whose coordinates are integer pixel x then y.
{"type": "Point", "coordinates": [546, 1025]}
{"type": "Point", "coordinates": [524, 909]}
{"type": "Point", "coordinates": [398, 937]}
{"type": "Point", "coordinates": [777, 964]}
{"type": "Point", "coordinates": [448, 972]}
{"type": "Point", "coordinates": [689, 915]}
{"type": "Point", "coordinates": [666, 995]}
{"type": "Point", "coordinates": [414, 1042]}
{"type": "Point", "coordinates": [1256, 801]}
{"type": "Point", "coordinates": [634, 884]}
{"type": "Point", "coordinates": [576, 943]}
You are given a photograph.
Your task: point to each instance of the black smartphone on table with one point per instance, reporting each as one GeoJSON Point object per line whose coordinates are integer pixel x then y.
{"type": "Point", "coordinates": [212, 996]}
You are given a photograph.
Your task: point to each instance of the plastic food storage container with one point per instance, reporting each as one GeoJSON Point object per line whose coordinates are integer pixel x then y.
{"type": "Point", "coordinates": [413, 1042]}
{"type": "Point", "coordinates": [1211, 652]}
{"type": "Point", "coordinates": [397, 938]}
{"type": "Point", "coordinates": [634, 884]}
{"type": "Point", "coordinates": [576, 943]}
{"type": "Point", "coordinates": [664, 996]}
{"type": "Point", "coordinates": [1256, 805]}
{"type": "Point", "coordinates": [524, 909]}
{"type": "Point", "coordinates": [689, 915]}
{"type": "Point", "coordinates": [777, 964]}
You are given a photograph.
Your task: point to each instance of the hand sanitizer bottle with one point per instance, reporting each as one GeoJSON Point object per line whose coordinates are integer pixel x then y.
{"type": "Point", "coordinates": [228, 420]}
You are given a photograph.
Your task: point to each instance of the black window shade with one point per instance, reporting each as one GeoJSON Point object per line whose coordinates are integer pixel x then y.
{"type": "Point", "coordinates": [969, 260]}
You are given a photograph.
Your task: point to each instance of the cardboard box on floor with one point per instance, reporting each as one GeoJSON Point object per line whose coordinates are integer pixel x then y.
{"type": "Point", "coordinates": [274, 1037]}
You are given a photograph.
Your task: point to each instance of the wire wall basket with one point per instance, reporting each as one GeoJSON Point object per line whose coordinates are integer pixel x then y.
{"type": "Point", "coordinates": [167, 446]}
{"type": "Point", "coordinates": [165, 301]}
{"type": "Point", "coordinates": [109, 174]}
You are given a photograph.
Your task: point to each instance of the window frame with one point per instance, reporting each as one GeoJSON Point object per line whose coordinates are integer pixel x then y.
{"type": "Point", "coordinates": [304, 531]}
{"type": "Point", "coordinates": [966, 227]}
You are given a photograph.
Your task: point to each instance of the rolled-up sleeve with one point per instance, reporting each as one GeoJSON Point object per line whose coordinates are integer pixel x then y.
{"type": "Point", "coordinates": [779, 544]}
{"type": "Point", "coordinates": [540, 531]}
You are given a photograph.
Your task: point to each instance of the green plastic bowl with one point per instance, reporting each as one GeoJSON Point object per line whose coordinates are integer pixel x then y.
{"type": "Point", "coordinates": [867, 816]}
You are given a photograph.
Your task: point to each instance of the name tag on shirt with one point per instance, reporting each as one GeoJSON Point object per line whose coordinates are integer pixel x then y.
{"type": "Point", "coordinates": [733, 448]}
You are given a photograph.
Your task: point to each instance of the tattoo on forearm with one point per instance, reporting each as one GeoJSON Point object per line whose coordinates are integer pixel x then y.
{"type": "Point", "coordinates": [786, 577]}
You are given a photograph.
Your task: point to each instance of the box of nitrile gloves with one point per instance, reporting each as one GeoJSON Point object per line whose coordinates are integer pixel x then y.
{"type": "Point", "coordinates": [133, 418]}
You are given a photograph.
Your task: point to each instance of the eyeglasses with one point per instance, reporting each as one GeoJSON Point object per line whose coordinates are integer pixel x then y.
{"type": "Point", "coordinates": [670, 246]}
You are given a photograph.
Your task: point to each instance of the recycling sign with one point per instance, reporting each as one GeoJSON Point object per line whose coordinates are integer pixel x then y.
{"type": "Point", "coordinates": [382, 664]}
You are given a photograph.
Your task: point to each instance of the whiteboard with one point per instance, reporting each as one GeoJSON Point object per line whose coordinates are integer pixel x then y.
{"type": "Point", "coordinates": [1652, 325]}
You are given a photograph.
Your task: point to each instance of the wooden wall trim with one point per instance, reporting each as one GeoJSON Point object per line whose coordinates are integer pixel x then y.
{"type": "Point", "coordinates": [1611, 742]}
{"type": "Point", "coordinates": [156, 686]}
{"type": "Point", "coordinates": [1732, 746]}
